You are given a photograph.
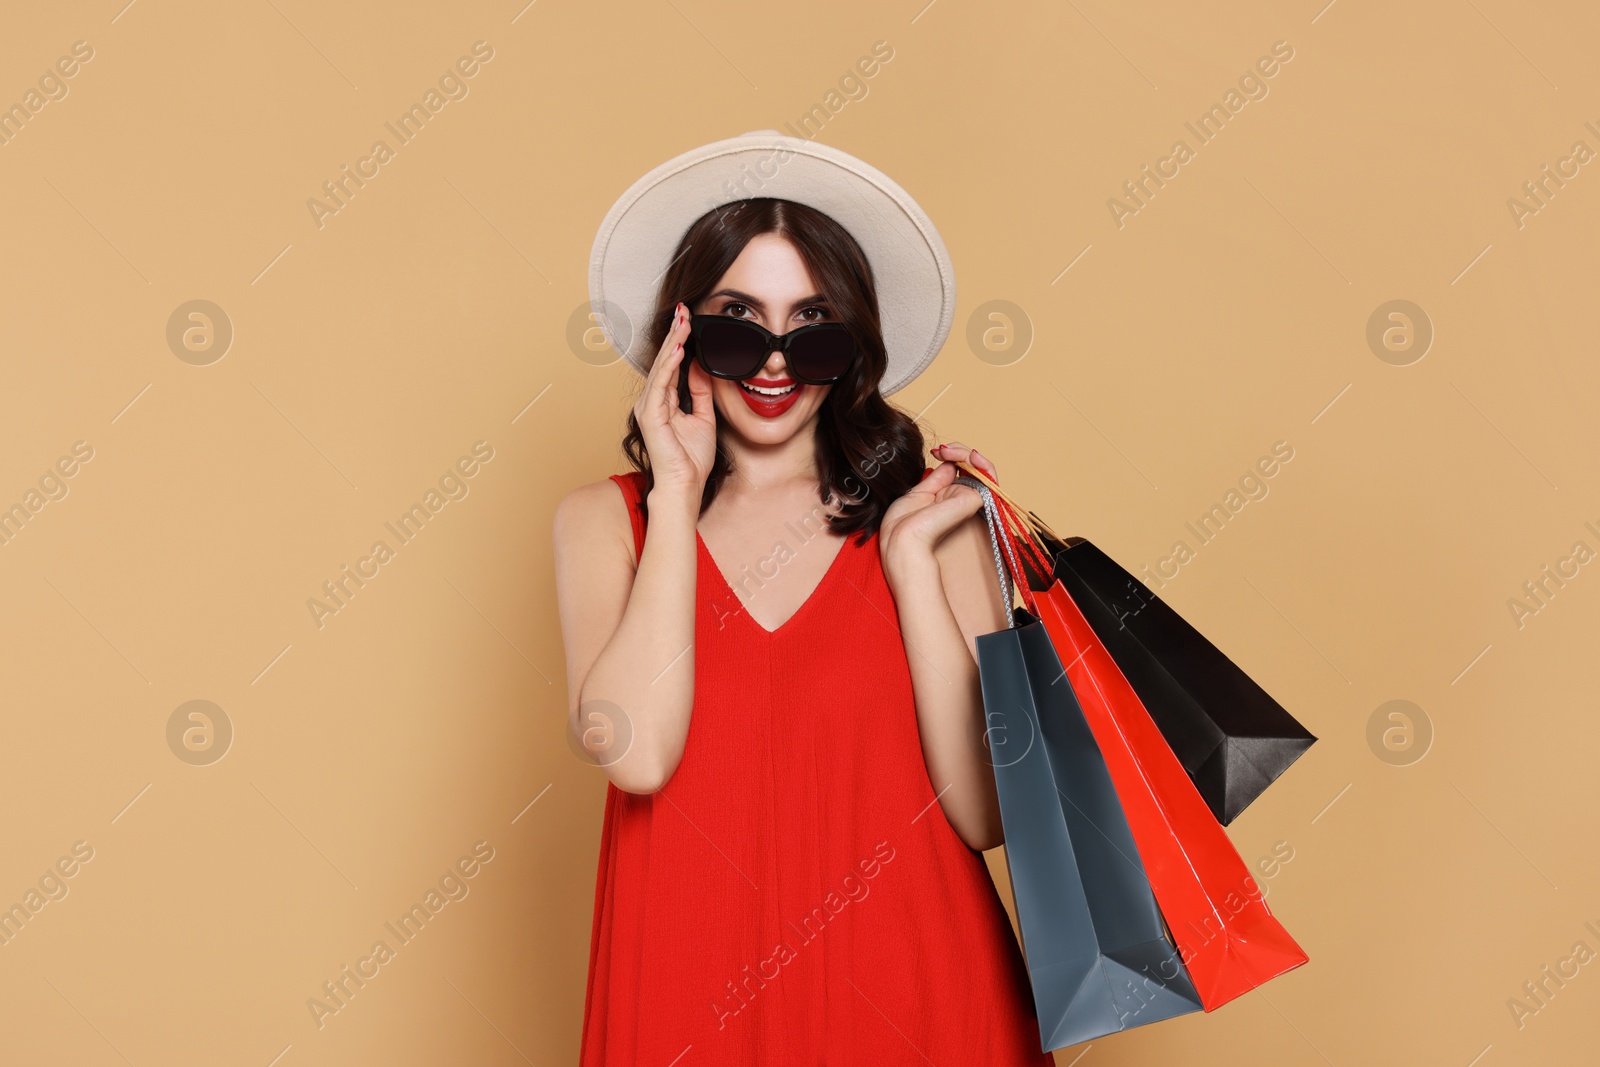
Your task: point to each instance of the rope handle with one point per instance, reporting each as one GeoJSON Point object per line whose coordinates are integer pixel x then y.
{"type": "Point", "coordinates": [1001, 538]}
{"type": "Point", "coordinates": [1031, 521]}
{"type": "Point", "coordinates": [994, 543]}
{"type": "Point", "coordinates": [1029, 530]}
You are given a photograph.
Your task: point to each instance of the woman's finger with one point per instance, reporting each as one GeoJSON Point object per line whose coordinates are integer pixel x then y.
{"type": "Point", "coordinates": [662, 384]}
{"type": "Point", "coordinates": [699, 391]}
{"type": "Point", "coordinates": [948, 511]}
{"type": "Point", "coordinates": [979, 460]}
{"type": "Point", "coordinates": [956, 452]}
{"type": "Point", "coordinates": [652, 374]}
{"type": "Point", "coordinates": [939, 479]}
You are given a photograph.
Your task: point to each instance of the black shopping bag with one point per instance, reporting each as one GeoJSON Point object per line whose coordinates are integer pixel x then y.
{"type": "Point", "coordinates": [1099, 956]}
{"type": "Point", "coordinates": [1231, 737]}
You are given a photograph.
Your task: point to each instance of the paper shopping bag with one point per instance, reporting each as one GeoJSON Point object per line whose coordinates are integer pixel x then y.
{"type": "Point", "coordinates": [1232, 738]}
{"type": "Point", "coordinates": [1228, 938]}
{"type": "Point", "coordinates": [1098, 954]}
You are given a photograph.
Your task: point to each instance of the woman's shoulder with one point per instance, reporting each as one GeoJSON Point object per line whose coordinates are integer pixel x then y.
{"type": "Point", "coordinates": [596, 510]}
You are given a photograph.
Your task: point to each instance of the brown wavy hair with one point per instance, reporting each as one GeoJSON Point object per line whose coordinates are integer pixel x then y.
{"type": "Point", "coordinates": [868, 451]}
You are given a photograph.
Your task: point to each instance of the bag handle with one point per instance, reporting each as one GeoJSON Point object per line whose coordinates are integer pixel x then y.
{"type": "Point", "coordinates": [994, 543]}
{"type": "Point", "coordinates": [998, 537]}
{"type": "Point", "coordinates": [1027, 527]}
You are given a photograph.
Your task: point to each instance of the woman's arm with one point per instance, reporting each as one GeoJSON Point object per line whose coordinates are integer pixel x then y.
{"type": "Point", "coordinates": [628, 634]}
{"type": "Point", "coordinates": [940, 568]}
{"type": "Point", "coordinates": [944, 601]}
{"type": "Point", "coordinates": [629, 631]}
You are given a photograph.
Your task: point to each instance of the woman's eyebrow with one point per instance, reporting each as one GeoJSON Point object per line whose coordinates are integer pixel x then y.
{"type": "Point", "coordinates": [759, 304]}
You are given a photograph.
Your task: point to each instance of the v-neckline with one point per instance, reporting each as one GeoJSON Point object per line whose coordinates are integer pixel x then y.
{"type": "Point", "coordinates": [816, 590]}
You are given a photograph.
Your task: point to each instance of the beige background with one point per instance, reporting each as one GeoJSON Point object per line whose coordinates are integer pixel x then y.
{"type": "Point", "coordinates": [434, 311]}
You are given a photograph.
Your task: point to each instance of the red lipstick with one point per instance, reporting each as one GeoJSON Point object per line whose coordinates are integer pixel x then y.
{"type": "Point", "coordinates": [775, 406]}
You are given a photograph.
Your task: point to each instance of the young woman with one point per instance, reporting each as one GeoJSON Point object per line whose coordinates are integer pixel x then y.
{"type": "Point", "coordinates": [780, 684]}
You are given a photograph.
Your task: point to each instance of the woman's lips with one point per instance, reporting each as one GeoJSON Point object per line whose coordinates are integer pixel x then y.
{"type": "Point", "coordinates": [770, 409]}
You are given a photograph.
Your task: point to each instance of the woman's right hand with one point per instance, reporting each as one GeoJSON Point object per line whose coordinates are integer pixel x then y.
{"type": "Point", "coordinates": [682, 445]}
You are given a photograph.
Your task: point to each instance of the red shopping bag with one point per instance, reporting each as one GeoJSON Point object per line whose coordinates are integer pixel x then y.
{"type": "Point", "coordinates": [1226, 935]}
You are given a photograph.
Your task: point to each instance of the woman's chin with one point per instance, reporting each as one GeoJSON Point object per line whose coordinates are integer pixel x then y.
{"type": "Point", "coordinates": [759, 431]}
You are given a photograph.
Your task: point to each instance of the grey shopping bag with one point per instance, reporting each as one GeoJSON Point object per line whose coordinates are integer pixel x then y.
{"type": "Point", "coordinates": [1099, 955]}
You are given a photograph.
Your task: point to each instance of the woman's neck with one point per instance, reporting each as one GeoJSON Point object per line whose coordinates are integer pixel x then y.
{"type": "Point", "coordinates": [762, 468]}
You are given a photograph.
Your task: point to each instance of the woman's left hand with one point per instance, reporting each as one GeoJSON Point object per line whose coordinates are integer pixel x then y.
{"type": "Point", "coordinates": [929, 510]}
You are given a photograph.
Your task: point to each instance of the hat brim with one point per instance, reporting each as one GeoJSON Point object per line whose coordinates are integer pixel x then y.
{"type": "Point", "coordinates": [910, 266]}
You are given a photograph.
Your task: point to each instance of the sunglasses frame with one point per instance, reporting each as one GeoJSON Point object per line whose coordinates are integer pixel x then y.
{"type": "Point", "coordinates": [772, 342]}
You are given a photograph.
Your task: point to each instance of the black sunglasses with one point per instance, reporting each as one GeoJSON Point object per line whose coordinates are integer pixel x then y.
{"type": "Point", "coordinates": [817, 354]}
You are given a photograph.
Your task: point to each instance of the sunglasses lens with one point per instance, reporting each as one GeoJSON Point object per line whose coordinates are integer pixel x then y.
{"type": "Point", "coordinates": [730, 348]}
{"type": "Point", "coordinates": [821, 354]}
{"type": "Point", "coordinates": [733, 348]}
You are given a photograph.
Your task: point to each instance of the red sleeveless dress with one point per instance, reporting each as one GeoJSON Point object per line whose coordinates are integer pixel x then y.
{"type": "Point", "coordinates": [795, 895]}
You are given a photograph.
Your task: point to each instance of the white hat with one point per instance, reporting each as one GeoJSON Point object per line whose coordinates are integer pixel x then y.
{"type": "Point", "coordinates": [915, 281]}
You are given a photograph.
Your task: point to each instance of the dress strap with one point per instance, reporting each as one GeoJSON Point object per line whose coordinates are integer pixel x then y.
{"type": "Point", "coordinates": [632, 485]}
